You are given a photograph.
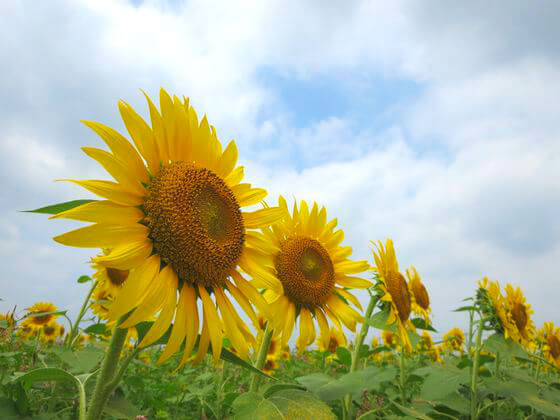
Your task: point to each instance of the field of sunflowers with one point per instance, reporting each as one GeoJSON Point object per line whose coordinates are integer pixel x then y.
{"type": "Point", "coordinates": [208, 300]}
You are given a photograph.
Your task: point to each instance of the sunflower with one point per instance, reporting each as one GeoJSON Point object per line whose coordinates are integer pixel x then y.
{"type": "Point", "coordinates": [172, 222]}
{"type": "Point", "coordinates": [377, 357]}
{"type": "Point", "coordinates": [39, 315]}
{"type": "Point", "coordinates": [394, 289]}
{"type": "Point", "coordinates": [9, 318]}
{"type": "Point", "coordinates": [306, 273]}
{"type": "Point", "coordinates": [49, 333]}
{"type": "Point", "coordinates": [336, 339]}
{"type": "Point", "coordinates": [390, 340]}
{"type": "Point", "coordinates": [425, 343]}
{"type": "Point", "coordinates": [435, 354]}
{"type": "Point", "coordinates": [454, 340]}
{"type": "Point", "coordinates": [270, 365]}
{"type": "Point", "coordinates": [419, 298]}
{"type": "Point", "coordinates": [522, 328]}
{"type": "Point", "coordinates": [101, 298]}
{"type": "Point", "coordinates": [550, 335]}
{"type": "Point", "coordinates": [109, 278]}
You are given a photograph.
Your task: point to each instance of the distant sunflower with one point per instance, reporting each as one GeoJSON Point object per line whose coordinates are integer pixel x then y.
{"type": "Point", "coordinates": [551, 338]}
{"type": "Point", "coordinates": [39, 315]}
{"type": "Point", "coordinates": [306, 273]}
{"type": "Point", "coordinates": [390, 340]}
{"type": "Point", "coordinates": [454, 340]}
{"type": "Point", "coordinates": [173, 225]}
{"type": "Point", "coordinates": [49, 333]}
{"type": "Point", "coordinates": [109, 278]}
{"type": "Point", "coordinates": [419, 298]}
{"type": "Point", "coordinates": [435, 354]}
{"type": "Point", "coordinates": [101, 298]}
{"type": "Point", "coordinates": [425, 343]}
{"type": "Point", "coordinates": [519, 315]}
{"type": "Point", "coordinates": [270, 365]}
{"type": "Point", "coordinates": [9, 318]}
{"type": "Point", "coordinates": [336, 339]}
{"type": "Point", "coordinates": [395, 290]}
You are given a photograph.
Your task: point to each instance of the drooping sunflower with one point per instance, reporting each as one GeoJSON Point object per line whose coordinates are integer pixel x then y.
{"type": "Point", "coordinates": [306, 273]}
{"type": "Point", "coordinates": [454, 340]}
{"type": "Point", "coordinates": [39, 315]}
{"type": "Point", "coordinates": [173, 220]}
{"type": "Point", "coordinates": [394, 289]}
{"type": "Point", "coordinates": [550, 335]}
{"type": "Point", "coordinates": [419, 298]}
{"type": "Point", "coordinates": [519, 315]}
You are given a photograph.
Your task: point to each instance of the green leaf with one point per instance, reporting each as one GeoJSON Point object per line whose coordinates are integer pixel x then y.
{"type": "Point", "coordinates": [60, 207]}
{"type": "Point", "coordinates": [507, 348]}
{"type": "Point", "coordinates": [84, 279]}
{"type": "Point", "coordinates": [121, 408]}
{"type": "Point", "coordinates": [411, 412]}
{"type": "Point", "coordinates": [98, 329]}
{"type": "Point", "coordinates": [274, 388]}
{"type": "Point", "coordinates": [36, 314]}
{"type": "Point", "coordinates": [442, 381]}
{"type": "Point", "coordinates": [465, 309]}
{"type": "Point", "coordinates": [45, 374]}
{"type": "Point", "coordinates": [289, 404]}
{"type": "Point", "coordinates": [343, 355]}
{"type": "Point", "coordinates": [421, 324]}
{"type": "Point", "coordinates": [379, 321]}
{"type": "Point", "coordinates": [8, 409]}
{"type": "Point", "coordinates": [144, 327]}
{"type": "Point", "coordinates": [81, 361]}
{"type": "Point", "coordinates": [228, 356]}
{"type": "Point", "coordinates": [3, 323]}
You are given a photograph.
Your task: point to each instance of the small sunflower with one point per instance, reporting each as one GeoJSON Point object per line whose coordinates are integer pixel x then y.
{"type": "Point", "coordinates": [425, 344]}
{"type": "Point", "coordinates": [519, 315]}
{"type": "Point", "coordinates": [39, 315]}
{"type": "Point", "coordinates": [270, 365]}
{"type": "Point", "coordinates": [550, 336]}
{"type": "Point", "coordinates": [49, 333]}
{"type": "Point", "coordinates": [173, 225]}
{"type": "Point", "coordinates": [25, 331]}
{"type": "Point", "coordinates": [390, 340]}
{"type": "Point", "coordinates": [306, 273]}
{"type": "Point", "coordinates": [109, 278]}
{"type": "Point", "coordinates": [336, 339]}
{"type": "Point", "coordinates": [435, 354]}
{"type": "Point", "coordinates": [378, 356]}
{"type": "Point", "coordinates": [454, 340]}
{"type": "Point", "coordinates": [419, 298]}
{"type": "Point", "coordinates": [9, 318]}
{"type": "Point", "coordinates": [101, 298]}
{"type": "Point", "coordinates": [394, 289]}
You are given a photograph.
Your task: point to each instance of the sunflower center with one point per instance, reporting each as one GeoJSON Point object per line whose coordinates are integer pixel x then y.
{"type": "Point", "coordinates": [397, 288]}
{"type": "Point", "coordinates": [421, 296]}
{"type": "Point", "coordinates": [48, 330]}
{"type": "Point", "coordinates": [519, 314]}
{"type": "Point", "coordinates": [333, 345]}
{"type": "Point", "coordinates": [117, 277]}
{"type": "Point", "coordinates": [41, 319]}
{"type": "Point", "coordinates": [195, 223]}
{"type": "Point", "coordinates": [305, 270]}
{"type": "Point", "coordinates": [554, 345]}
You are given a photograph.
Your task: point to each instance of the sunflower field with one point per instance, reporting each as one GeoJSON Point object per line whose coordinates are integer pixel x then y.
{"type": "Point", "coordinates": [208, 300]}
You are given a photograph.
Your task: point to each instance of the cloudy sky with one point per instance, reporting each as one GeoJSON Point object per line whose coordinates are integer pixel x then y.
{"type": "Point", "coordinates": [434, 123]}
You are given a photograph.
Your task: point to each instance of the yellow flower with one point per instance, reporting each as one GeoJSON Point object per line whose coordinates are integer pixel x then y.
{"type": "Point", "coordinates": [425, 343]}
{"type": "Point", "coordinates": [390, 340]}
{"type": "Point", "coordinates": [395, 290]}
{"type": "Point", "coordinates": [454, 339]}
{"type": "Point", "coordinates": [305, 271]}
{"type": "Point", "coordinates": [419, 298]}
{"type": "Point", "coordinates": [8, 317]}
{"type": "Point", "coordinates": [551, 337]}
{"type": "Point", "coordinates": [336, 339]}
{"type": "Point", "coordinates": [522, 328]}
{"type": "Point", "coordinates": [37, 322]}
{"type": "Point", "coordinates": [270, 365]}
{"type": "Point", "coordinates": [50, 332]}
{"type": "Point", "coordinates": [173, 225]}
{"type": "Point", "coordinates": [101, 299]}
{"type": "Point", "coordinates": [109, 278]}
{"type": "Point", "coordinates": [435, 354]}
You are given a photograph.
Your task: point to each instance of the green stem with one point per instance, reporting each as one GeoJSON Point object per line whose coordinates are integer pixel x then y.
{"type": "Point", "coordinates": [402, 376]}
{"type": "Point", "coordinates": [495, 396]}
{"type": "Point", "coordinates": [107, 373]}
{"type": "Point", "coordinates": [82, 409]}
{"type": "Point", "coordinates": [74, 327]}
{"type": "Point", "coordinates": [359, 340]}
{"type": "Point", "coordinates": [471, 319]}
{"type": "Point", "coordinates": [474, 378]}
{"type": "Point", "coordinates": [261, 356]}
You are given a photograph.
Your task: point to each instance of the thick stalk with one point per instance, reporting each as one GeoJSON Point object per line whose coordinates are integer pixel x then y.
{"type": "Point", "coordinates": [261, 356]}
{"type": "Point", "coordinates": [74, 327]}
{"type": "Point", "coordinates": [474, 377]}
{"type": "Point", "coordinates": [82, 412]}
{"type": "Point", "coordinates": [471, 319]}
{"type": "Point", "coordinates": [107, 373]}
{"type": "Point", "coordinates": [359, 340]}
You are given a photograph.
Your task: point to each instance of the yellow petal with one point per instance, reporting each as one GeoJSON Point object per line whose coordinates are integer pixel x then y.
{"type": "Point", "coordinates": [351, 267]}
{"type": "Point", "coordinates": [227, 160]}
{"type": "Point", "coordinates": [242, 301]}
{"type": "Point", "coordinates": [214, 323]}
{"type": "Point", "coordinates": [313, 222]}
{"type": "Point", "coordinates": [102, 235]}
{"type": "Point", "coordinates": [134, 287]}
{"type": "Point", "coordinates": [251, 293]}
{"type": "Point", "coordinates": [304, 330]}
{"type": "Point", "coordinates": [127, 256]}
{"type": "Point", "coordinates": [345, 313]}
{"type": "Point", "coordinates": [332, 316]}
{"type": "Point", "coordinates": [323, 326]}
{"type": "Point", "coordinates": [109, 190]}
{"type": "Point", "coordinates": [116, 169]}
{"type": "Point", "coordinates": [235, 177]}
{"type": "Point", "coordinates": [252, 196]}
{"type": "Point", "coordinates": [350, 297]}
{"type": "Point", "coordinates": [102, 212]}
{"type": "Point", "coordinates": [179, 328]}
{"type": "Point", "coordinates": [263, 217]}
{"type": "Point", "coordinates": [158, 128]}
{"type": "Point", "coordinates": [183, 135]}
{"type": "Point", "coordinates": [289, 324]}
{"type": "Point", "coordinates": [352, 282]}
{"type": "Point", "coordinates": [262, 276]}
{"type": "Point", "coordinates": [202, 343]}
{"type": "Point", "coordinates": [278, 311]}
{"type": "Point", "coordinates": [142, 136]}
{"type": "Point", "coordinates": [122, 149]}
{"type": "Point", "coordinates": [256, 240]}
{"type": "Point", "coordinates": [232, 332]}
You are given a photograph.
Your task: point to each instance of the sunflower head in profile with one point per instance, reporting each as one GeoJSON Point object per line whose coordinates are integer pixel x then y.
{"type": "Point", "coordinates": [550, 337]}
{"type": "Point", "coordinates": [394, 290]}
{"type": "Point", "coordinates": [419, 298]}
{"type": "Point", "coordinates": [454, 340]}
{"type": "Point", "coordinates": [101, 299]}
{"type": "Point", "coordinates": [39, 315]}
{"type": "Point", "coordinates": [336, 339]}
{"type": "Point", "coordinates": [174, 229]}
{"type": "Point", "coordinates": [306, 273]}
{"type": "Point", "coordinates": [521, 326]}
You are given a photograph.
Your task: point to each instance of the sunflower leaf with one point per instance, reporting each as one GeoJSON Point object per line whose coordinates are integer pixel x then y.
{"type": "Point", "coordinates": [379, 321]}
{"type": "Point", "coordinates": [60, 207]}
{"type": "Point", "coordinates": [84, 279]}
{"type": "Point", "coordinates": [421, 324]}
{"type": "Point", "coordinates": [36, 314]}
{"type": "Point", "coordinates": [228, 356]}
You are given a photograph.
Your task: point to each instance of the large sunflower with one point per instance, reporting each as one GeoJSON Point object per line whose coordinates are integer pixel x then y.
{"type": "Point", "coordinates": [419, 298]}
{"type": "Point", "coordinates": [39, 315]}
{"type": "Point", "coordinates": [173, 223]}
{"type": "Point", "coordinates": [306, 273]}
{"type": "Point", "coordinates": [395, 290]}
{"type": "Point", "coordinates": [551, 340]}
{"type": "Point", "coordinates": [519, 315]}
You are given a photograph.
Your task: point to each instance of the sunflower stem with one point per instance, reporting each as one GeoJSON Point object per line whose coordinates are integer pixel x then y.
{"type": "Point", "coordinates": [261, 356]}
{"type": "Point", "coordinates": [474, 377]}
{"type": "Point", "coordinates": [471, 320]}
{"type": "Point", "coordinates": [359, 340]}
{"type": "Point", "coordinates": [402, 376]}
{"type": "Point", "coordinates": [107, 374]}
{"type": "Point", "coordinates": [75, 326]}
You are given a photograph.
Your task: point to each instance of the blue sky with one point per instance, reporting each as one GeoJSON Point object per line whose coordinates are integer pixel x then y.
{"type": "Point", "coordinates": [433, 125]}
